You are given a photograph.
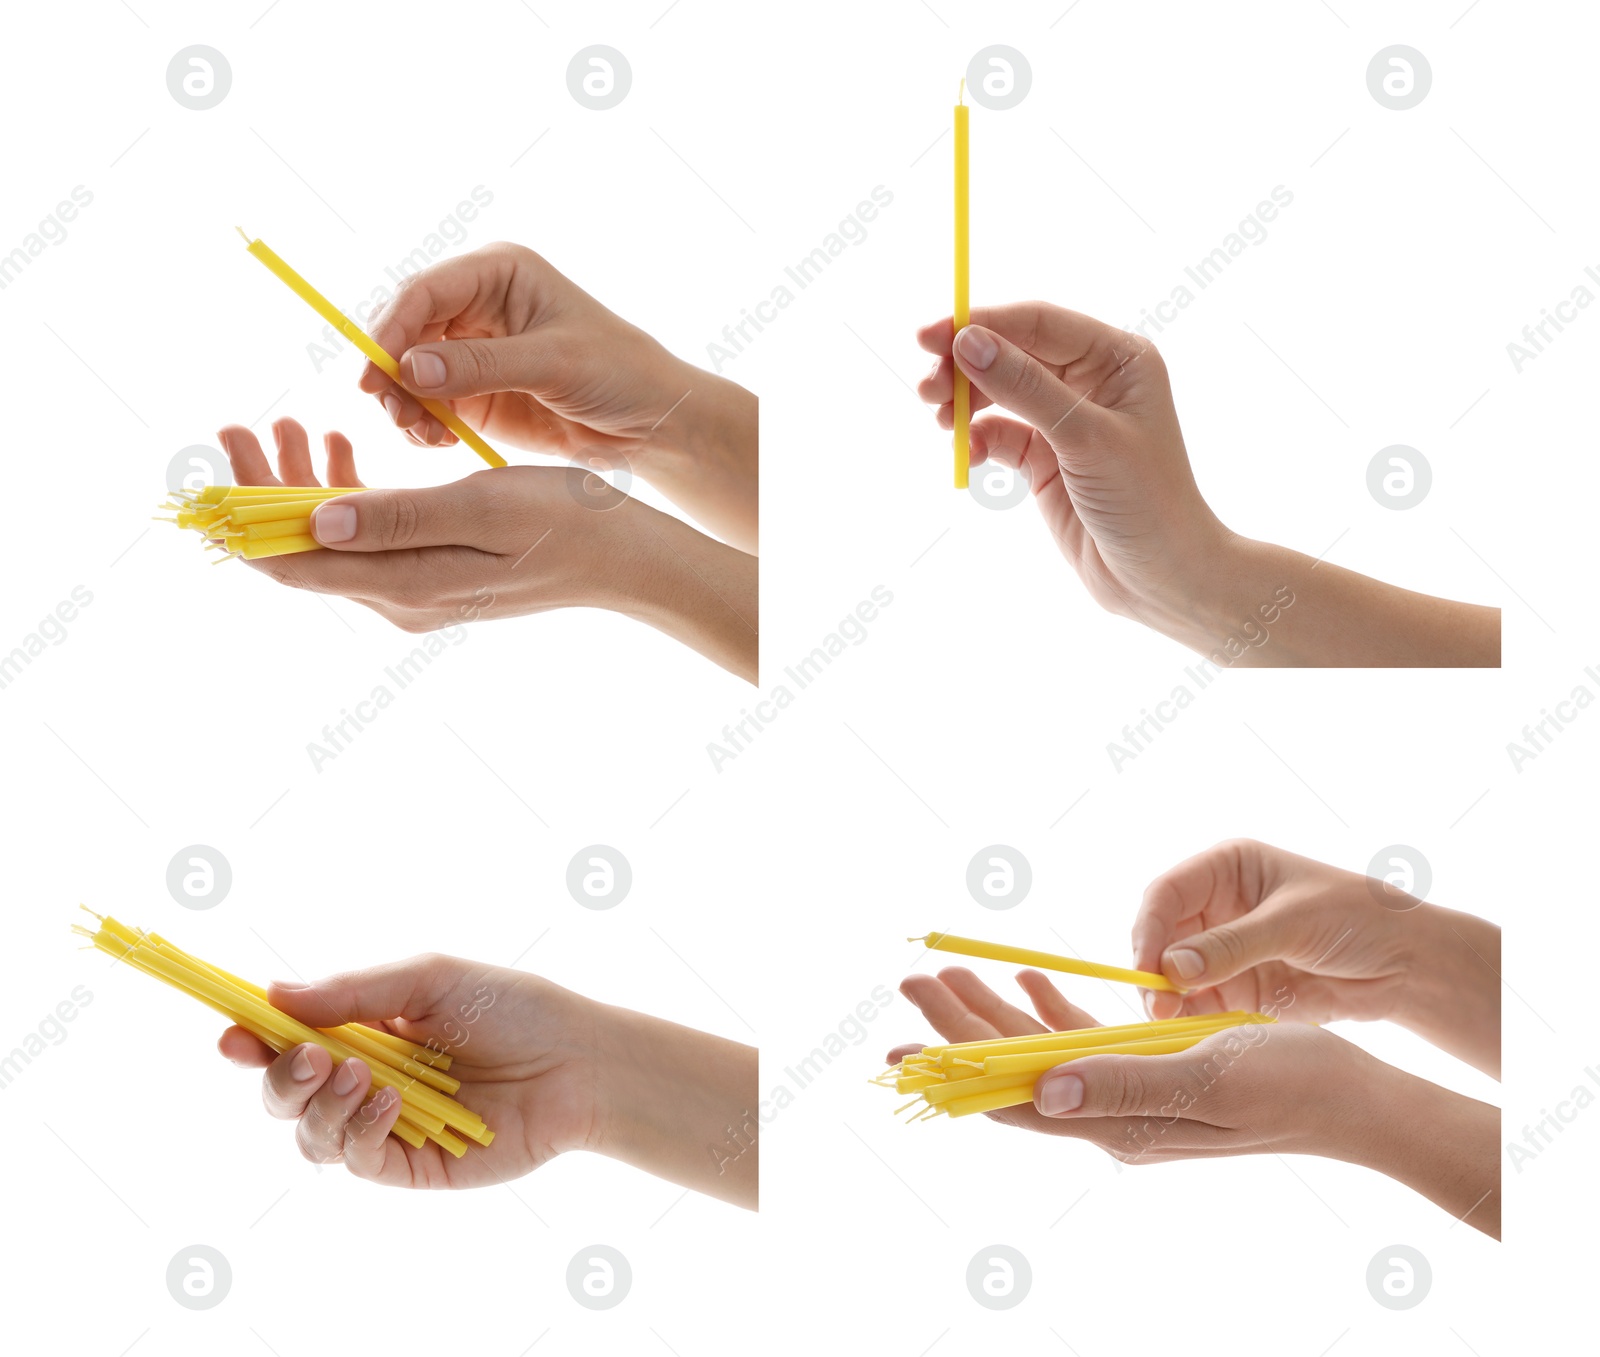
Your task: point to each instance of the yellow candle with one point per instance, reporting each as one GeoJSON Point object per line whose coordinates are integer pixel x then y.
{"type": "Point", "coordinates": [359, 337]}
{"type": "Point", "coordinates": [1044, 961]}
{"type": "Point", "coordinates": [963, 396]}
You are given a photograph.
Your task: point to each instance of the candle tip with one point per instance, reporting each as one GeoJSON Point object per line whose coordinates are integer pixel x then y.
{"type": "Point", "coordinates": [242, 235]}
{"type": "Point", "coordinates": [961, 93]}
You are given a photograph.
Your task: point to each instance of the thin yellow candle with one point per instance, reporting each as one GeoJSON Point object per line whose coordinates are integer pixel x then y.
{"type": "Point", "coordinates": [359, 337]}
{"type": "Point", "coordinates": [1044, 961]}
{"type": "Point", "coordinates": [963, 395]}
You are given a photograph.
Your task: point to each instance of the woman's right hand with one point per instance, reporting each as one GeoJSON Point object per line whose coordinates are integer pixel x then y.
{"type": "Point", "coordinates": [1093, 428]}
{"type": "Point", "coordinates": [521, 1047]}
{"type": "Point", "coordinates": [1243, 925]}
{"type": "Point", "coordinates": [529, 359]}
{"type": "Point", "coordinates": [1241, 922]}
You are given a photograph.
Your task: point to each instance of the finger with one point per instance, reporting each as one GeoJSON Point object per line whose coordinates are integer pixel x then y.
{"type": "Point", "coordinates": [1017, 444]}
{"type": "Point", "coordinates": [245, 458]}
{"type": "Point", "coordinates": [341, 460]}
{"type": "Point", "coordinates": [368, 1150]}
{"type": "Point", "coordinates": [1058, 1013]}
{"type": "Point", "coordinates": [414, 990]}
{"type": "Point", "coordinates": [1013, 378]}
{"type": "Point", "coordinates": [450, 290]}
{"type": "Point", "coordinates": [292, 1079]}
{"type": "Point", "coordinates": [404, 409]}
{"type": "Point", "coordinates": [899, 1053]}
{"type": "Point", "coordinates": [938, 388]}
{"type": "Point", "coordinates": [950, 1018]}
{"type": "Point", "coordinates": [1174, 902]}
{"type": "Point", "coordinates": [1005, 1018]}
{"type": "Point", "coordinates": [245, 1048]}
{"type": "Point", "coordinates": [467, 512]}
{"type": "Point", "coordinates": [1223, 884]}
{"type": "Point", "coordinates": [294, 452]}
{"type": "Point", "coordinates": [321, 1130]}
{"type": "Point", "coordinates": [1113, 1086]}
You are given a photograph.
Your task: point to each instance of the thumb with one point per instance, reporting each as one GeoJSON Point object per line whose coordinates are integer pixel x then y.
{"type": "Point", "coordinates": [389, 520]}
{"type": "Point", "coordinates": [1220, 953]}
{"type": "Point", "coordinates": [1113, 1086]}
{"type": "Point", "coordinates": [1019, 382]}
{"type": "Point", "coordinates": [413, 989]}
{"type": "Point", "coordinates": [536, 360]}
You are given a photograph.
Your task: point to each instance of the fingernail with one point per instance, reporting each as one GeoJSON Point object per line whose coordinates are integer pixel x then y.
{"type": "Point", "coordinates": [427, 369]}
{"type": "Point", "coordinates": [301, 1067]}
{"type": "Point", "coordinates": [933, 371]}
{"type": "Point", "coordinates": [1149, 1004]}
{"type": "Point", "coordinates": [290, 984]}
{"type": "Point", "coordinates": [344, 1078]}
{"type": "Point", "coordinates": [976, 348]}
{"type": "Point", "coordinates": [1187, 962]}
{"type": "Point", "coordinates": [1064, 1093]}
{"type": "Point", "coordinates": [334, 522]}
{"type": "Point", "coordinates": [391, 403]}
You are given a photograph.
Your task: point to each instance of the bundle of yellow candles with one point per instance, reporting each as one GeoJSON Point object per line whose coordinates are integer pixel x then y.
{"type": "Point", "coordinates": [427, 1111]}
{"type": "Point", "coordinates": [252, 521]}
{"type": "Point", "coordinates": [960, 1078]}
{"type": "Point", "coordinates": [983, 1076]}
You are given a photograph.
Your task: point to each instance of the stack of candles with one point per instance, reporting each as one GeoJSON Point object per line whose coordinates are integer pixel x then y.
{"type": "Point", "coordinates": [252, 521]}
{"type": "Point", "coordinates": [961, 1078]}
{"type": "Point", "coordinates": [427, 1111]}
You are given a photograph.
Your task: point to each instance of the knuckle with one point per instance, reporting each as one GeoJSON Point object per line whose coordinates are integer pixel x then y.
{"type": "Point", "coordinates": [1028, 381]}
{"type": "Point", "coordinates": [397, 521]}
{"type": "Point", "coordinates": [1225, 946]}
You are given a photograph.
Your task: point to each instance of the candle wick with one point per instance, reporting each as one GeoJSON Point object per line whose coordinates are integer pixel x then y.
{"type": "Point", "coordinates": [242, 235]}
{"type": "Point", "coordinates": [961, 94]}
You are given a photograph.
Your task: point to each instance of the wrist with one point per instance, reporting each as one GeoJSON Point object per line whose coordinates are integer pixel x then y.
{"type": "Point", "coordinates": [1225, 597]}
{"type": "Point", "coordinates": [1441, 1144]}
{"type": "Point", "coordinates": [707, 424]}
{"type": "Point", "coordinates": [1451, 995]}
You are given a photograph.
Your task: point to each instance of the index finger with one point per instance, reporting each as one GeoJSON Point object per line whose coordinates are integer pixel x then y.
{"type": "Point", "coordinates": [944, 1009]}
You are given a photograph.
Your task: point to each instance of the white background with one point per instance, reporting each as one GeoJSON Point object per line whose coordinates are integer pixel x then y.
{"type": "Point", "coordinates": [977, 710]}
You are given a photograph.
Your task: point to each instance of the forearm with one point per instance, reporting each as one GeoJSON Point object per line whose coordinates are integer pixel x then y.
{"type": "Point", "coordinates": [1255, 604]}
{"type": "Point", "coordinates": [677, 1103]}
{"type": "Point", "coordinates": [705, 456]}
{"type": "Point", "coordinates": [1441, 1144]}
{"type": "Point", "coordinates": [1452, 993]}
{"type": "Point", "coordinates": [695, 589]}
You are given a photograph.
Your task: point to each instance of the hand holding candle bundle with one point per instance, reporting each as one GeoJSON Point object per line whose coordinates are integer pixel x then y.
{"type": "Point", "coordinates": [991, 1073]}
{"type": "Point", "coordinates": [356, 1061]}
{"type": "Point", "coordinates": [252, 521]}
{"type": "Point", "coordinates": [415, 1072]}
{"type": "Point", "coordinates": [984, 1076]}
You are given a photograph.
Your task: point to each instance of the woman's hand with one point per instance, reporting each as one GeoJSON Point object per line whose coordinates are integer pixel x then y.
{"type": "Point", "coordinates": [1296, 1086]}
{"type": "Point", "coordinates": [1097, 440]}
{"type": "Point", "coordinates": [548, 1071]}
{"type": "Point", "coordinates": [1276, 1088]}
{"type": "Point", "coordinates": [1094, 430]}
{"type": "Point", "coordinates": [522, 1048]}
{"type": "Point", "coordinates": [529, 359]}
{"type": "Point", "coordinates": [1243, 924]}
{"type": "Point", "coordinates": [505, 542]}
